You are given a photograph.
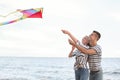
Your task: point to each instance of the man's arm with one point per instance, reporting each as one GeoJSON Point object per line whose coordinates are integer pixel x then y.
{"type": "Point", "coordinates": [70, 35]}
{"type": "Point", "coordinates": [82, 49]}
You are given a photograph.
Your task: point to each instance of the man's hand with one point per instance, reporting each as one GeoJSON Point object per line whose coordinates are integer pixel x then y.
{"type": "Point", "coordinates": [65, 31]}
{"type": "Point", "coordinates": [71, 42]}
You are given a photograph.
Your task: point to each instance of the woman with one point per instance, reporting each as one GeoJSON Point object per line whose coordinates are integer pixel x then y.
{"type": "Point", "coordinates": [80, 66]}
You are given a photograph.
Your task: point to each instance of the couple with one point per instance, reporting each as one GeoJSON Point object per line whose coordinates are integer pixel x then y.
{"type": "Point", "coordinates": [87, 51]}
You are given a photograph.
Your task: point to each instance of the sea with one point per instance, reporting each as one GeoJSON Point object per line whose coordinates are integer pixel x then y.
{"type": "Point", "coordinates": [50, 68]}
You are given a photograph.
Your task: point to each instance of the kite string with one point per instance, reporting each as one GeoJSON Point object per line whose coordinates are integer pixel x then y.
{"type": "Point", "coordinates": [9, 13]}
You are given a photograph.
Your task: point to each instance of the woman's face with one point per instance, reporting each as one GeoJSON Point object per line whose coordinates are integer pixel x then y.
{"type": "Point", "coordinates": [85, 40]}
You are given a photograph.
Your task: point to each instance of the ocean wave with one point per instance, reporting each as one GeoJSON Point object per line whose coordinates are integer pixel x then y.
{"type": "Point", "coordinates": [112, 73]}
{"type": "Point", "coordinates": [14, 79]}
{"type": "Point", "coordinates": [115, 72]}
{"type": "Point", "coordinates": [47, 72]}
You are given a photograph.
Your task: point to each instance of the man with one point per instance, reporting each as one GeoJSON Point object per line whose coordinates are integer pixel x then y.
{"type": "Point", "coordinates": [94, 52]}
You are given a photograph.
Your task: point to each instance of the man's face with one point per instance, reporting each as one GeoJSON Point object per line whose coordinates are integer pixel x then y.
{"type": "Point", "coordinates": [93, 36]}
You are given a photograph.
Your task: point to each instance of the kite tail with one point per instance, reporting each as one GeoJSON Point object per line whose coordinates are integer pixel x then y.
{"type": "Point", "coordinates": [9, 22]}
{"type": "Point", "coordinates": [9, 14]}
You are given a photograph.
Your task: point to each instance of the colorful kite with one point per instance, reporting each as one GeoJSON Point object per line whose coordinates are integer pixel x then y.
{"type": "Point", "coordinates": [28, 13]}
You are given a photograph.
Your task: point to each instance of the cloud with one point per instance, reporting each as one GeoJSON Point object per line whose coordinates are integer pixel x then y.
{"type": "Point", "coordinates": [115, 16]}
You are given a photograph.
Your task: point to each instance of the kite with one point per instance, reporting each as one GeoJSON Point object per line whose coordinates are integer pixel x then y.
{"type": "Point", "coordinates": [28, 13]}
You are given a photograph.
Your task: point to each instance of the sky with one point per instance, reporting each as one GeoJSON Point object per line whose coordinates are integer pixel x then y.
{"type": "Point", "coordinates": [43, 37]}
